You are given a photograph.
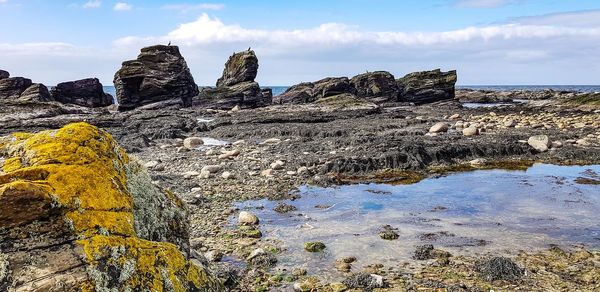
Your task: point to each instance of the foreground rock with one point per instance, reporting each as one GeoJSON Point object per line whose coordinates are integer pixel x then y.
{"type": "Point", "coordinates": [237, 86]}
{"type": "Point", "coordinates": [76, 213]}
{"type": "Point", "coordinates": [427, 86]}
{"type": "Point", "coordinates": [85, 92]}
{"type": "Point", "coordinates": [159, 74]}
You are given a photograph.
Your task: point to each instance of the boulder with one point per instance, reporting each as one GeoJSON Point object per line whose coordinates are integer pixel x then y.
{"type": "Point", "coordinates": [237, 86]}
{"type": "Point", "coordinates": [241, 67]}
{"type": "Point", "coordinates": [78, 214]}
{"type": "Point", "coordinates": [311, 91]}
{"type": "Point", "coordinates": [4, 74]}
{"type": "Point", "coordinates": [427, 86]}
{"type": "Point", "coordinates": [12, 87]}
{"type": "Point", "coordinates": [296, 94]}
{"type": "Point", "coordinates": [439, 128]}
{"type": "Point", "coordinates": [379, 85]}
{"type": "Point", "coordinates": [158, 74]}
{"type": "Point", "coordinates": [540, 143]}
{"type": "Point", "coordinates": [85, 92]}
{"type": "Point", "coordinates": [36, 92]}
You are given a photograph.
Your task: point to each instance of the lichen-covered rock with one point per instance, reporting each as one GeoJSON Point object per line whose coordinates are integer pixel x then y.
{"type": "Point", "coordinates": [12, 87]}
{"type": "Point", "coordinates": [159, 73]}
{"type": "Point", "coordinates": [36, 92]}
{"type": "Point", "coordinates": [427, 86]}
{"type": "Point", "coordinates": [77, 214]}
{"type": "Point", "coordinates": [85, 92]}
{"type": "Point", "coordinates": [379, 85]}
{"type": "Point", "coordinates": [241, 67]}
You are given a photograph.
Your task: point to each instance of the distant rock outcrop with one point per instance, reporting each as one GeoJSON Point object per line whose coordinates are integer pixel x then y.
{"type": "Point", "coordinates": [158, 74]}
{"type": "Point", "coordinates": [85, 92]}
{"type": "Point", "coordinates": [379, 85]}
{"type": "Point", "coordinates": [22, 89]}
{"type": "Point", "coordinates": [427, 86]}
{"type": "Point", "coordinates": [78, 214]}
{"type": "Point", "coordinates": [311, 91]}
{"type": "Point", "coordinates": [237, 86]}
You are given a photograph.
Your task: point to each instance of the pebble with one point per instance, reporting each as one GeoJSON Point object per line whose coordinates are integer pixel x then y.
{"type": "Point", "coordinates": [539, 142]}
{"type": "Point", "coordinates": [255, 253]}
{"type": "Point", "coordinates": [271, 141]}
{"type": "Point", "coordinates": [236, 109]}
{"type": "Point", "coordinates": [239, 142]}
{"type": "Point", "coordinates": [247, 218]}
{"type": "Point", "coordinates": [192, 142]}
{"type": "Point", "coordinates": [211, 168]}
{"type": "Point", "coordinates": [190, 174]}
{"type": "Point", "coordinates": [454, 117]}
{"type": "Point", "coordinates": [302, 169]}
{"type": "Point", "coordinates": [204, 174]}
{"type": "Point", "coordinates": [277, 165]}
{"type": "Point", "coordinates": [227, 175]}
{"type": "Point", "coordinates": [267, 173]}
{"type": "Point", "coordinates": [439, 128]}
{"type": "Point", "coordinates": [470, 131]}
{"type": "Point", "coordinates": [214, 256]}
{"type": "Point", "coordinates": [151, 164]}
{"type": "Point", "coordinates": [229, 154]}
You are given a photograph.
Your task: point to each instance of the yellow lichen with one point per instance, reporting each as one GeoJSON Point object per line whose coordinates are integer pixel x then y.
{"type": "Point", "coordinates": [80, 172]}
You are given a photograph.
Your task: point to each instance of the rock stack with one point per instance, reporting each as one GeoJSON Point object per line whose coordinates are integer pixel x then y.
{"type": "Point", "coordinates": [159, 74]}
{"type": "Point", "coordinates": [379, 86]}
{"type": "Point", "coordinates": [85, 92]}
{"type": "Point", "coordinates": [21, 89]}
{"type": "Point", "coordinates": [77, 214]}
{"type": "Point", "coordinates": [237, 87]}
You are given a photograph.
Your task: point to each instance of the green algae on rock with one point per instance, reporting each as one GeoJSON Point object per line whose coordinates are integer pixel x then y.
{"type": "Point", "coordinates": [314, 246]}
{"type": "Point", "coordinates": [76, 213]}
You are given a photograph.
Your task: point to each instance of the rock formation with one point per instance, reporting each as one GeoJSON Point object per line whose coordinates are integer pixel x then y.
{"type": "Point", "coordinates": [427, 86]}
{"type": "Point", "coordinates": [77, 214]}
{"type": "Point", "coordinates": [237, 86]}
{"type": "Point", "coordinates": [379, 85]}
{"type": "Point", "coordinates": [311, 91]}
{"type": "Point", "coordinates": [85, 92]}
{"type": "Point", "coordinates": [158, 74]}
{"type": "Point", "coordinates": [21, 89]}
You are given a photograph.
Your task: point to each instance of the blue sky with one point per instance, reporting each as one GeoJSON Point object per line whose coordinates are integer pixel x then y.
{"type": "Point", "coordinates": [487, 41]}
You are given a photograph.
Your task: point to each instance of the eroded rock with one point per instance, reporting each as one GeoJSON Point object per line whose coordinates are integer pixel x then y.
{"type": "Point", "coordinates": [427, 86]}
{"type": "Point", "coordinates": [85, 92]}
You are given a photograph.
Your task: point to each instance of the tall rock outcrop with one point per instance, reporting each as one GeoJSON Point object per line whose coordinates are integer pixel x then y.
{"type": "Point", "coordinates": [85, 92]}
{"type": "Point", "coordinates": [237, 86]}
{"type": "Point", "coordinates": [427, 86]}
{"type": "Point", "coordinates": [77, 214]}
{"type": "Point", "coordinates": [22, 89]}
{"type": "Point", "coordinates": [158, 74]}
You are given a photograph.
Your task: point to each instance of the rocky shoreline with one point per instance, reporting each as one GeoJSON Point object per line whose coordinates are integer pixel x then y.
{"type": "Point", "coordinates": [330, 132]}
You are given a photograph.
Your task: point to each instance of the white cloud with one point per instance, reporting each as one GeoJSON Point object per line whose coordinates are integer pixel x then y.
{"type": "Point", "coordinates": [3, 1]}
{"type": "Point", "coordinates": [122, 6]}
{"type": "Point", "coordinates": [586, 18]}
{"type": "Point", "coordinates": [481, 3]}
{"type": "Point", "coordinates": [185, 8]}
{"type": "Point", "coordinates": [92, 4]}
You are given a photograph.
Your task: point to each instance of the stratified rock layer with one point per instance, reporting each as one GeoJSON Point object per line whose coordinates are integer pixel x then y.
{"type": "Point", "coordinates": [237, 86]}
{"type": "Point", "coordinates": [77, 214]}
{"type": "Point", "coordinates": [85, 92]}
{"type": "Point", "coordinates": [158, 74]}
{"type": "Point", "coordinates": [427, 86]}
{"type": "Point", "coordinates": [375, 85]}
{"type": "Point", "coordinates": [12, 87]}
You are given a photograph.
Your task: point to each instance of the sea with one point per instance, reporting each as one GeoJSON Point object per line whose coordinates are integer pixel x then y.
{"type": "Point", "coordinates": [277, 90]}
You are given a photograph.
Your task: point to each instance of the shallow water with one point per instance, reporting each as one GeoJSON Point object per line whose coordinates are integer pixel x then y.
{"type": "Point", "coordinates": [477, 212]}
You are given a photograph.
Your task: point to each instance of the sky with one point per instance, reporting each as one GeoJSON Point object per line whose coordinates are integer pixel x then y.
{"type": "Point", "coordinates": [489, 42]}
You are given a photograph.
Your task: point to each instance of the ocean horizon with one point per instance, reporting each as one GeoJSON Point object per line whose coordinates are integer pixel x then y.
{"type": "Point", "coordinates": [277, 90]}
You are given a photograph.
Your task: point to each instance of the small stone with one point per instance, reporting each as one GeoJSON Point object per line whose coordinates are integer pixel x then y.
{"type": "Point", "coordinates": [247, 218]}
{"type": "Point", "coordinates": [470, 131]}
{"type": "Point", "coordinates": [343, 267]}
{"type": "Point", "coordinates": [229, 154]}
{"type": "Point", "coordinates": [539, 143]}
{"type": "Point", "coordinates": [255, 253]}
{"type": "Point", "coordinates": [267, 173]}
{"type": "Point", "coordinates": [271, 141]}
{"type": "Point", "coordinates": [298, 272]}
{"type": "Point", "coordinates": [277, 165]}
{"type": "Point", "coordinates": [302, 170]}
{"type": "Point", "coordinates": [211, 168]}
{"type": "Point", "coordinates": [204, 174]}
{"type": "Point", "coordinates": [151, 164]}
{"type": "Point", "coordinates": [454, 117]}
{"type": "Point", "coordinates": [192, 142]}
{"type": "Point", "coordinates": [387, 232]}
{"type": "Point", "coordinates": [236, 108]}
{"type": "Point", "coordinates": [439, 128]}
{"type": "Point", "coordinates": [227, 175]}
{"type": "Point", "coordinates": [510, 123]}
{"type": "Point", "coordinates": [239, 142]}
{"type": "Point", "coordinates": [583, 142]}
{"type": "Point", "coordinates": [190, 174]}
{"type": "Point", "coordinates": [214, 256]}
{"type": "Point", "coordinates": [338, 287]}
{"type": "Point", "coordinates": [477, 162]}
{"type": "Point", "coordinates": [314, 246]}
{"type": "Point", "coordinates": [284, 208]}
{"type": "Point", "coordinates": [556, 144]}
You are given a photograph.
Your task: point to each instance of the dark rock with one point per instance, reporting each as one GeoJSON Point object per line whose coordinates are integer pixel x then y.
{"type": "Point", "coordinates": [241, 67]}
{"type": "Point", "coordinates": [499, 268]}
{"type": "Point", "coordinates": [388, 232]}
{"type": "Point", "coordinates": [159, 73]}
{"type": "Point", "coordinates": [284, 208]}
{"type": "Point", "coordinates": [296, 94]}
{"type": "Point", "coordinates": [423, 252]}
{"type": "Point", "coordinates": [267, 93]}
{"type": "Point", "coordinates": [86, 92]}
{"type": "Point", "coordinates": [237, 86]}
{"type": "Point", "coordinates": [427, 86]}
{"type": "Point", "coordinates": [364, 281]}
{"type": "Point", "coordinates": [4, 74]}
{"type": "Point", "coordinates": [379, 85]}
{"type": "Point", "coordinates": [11, 88]}
{"type": "Point", "coordinates": [36, 92]}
